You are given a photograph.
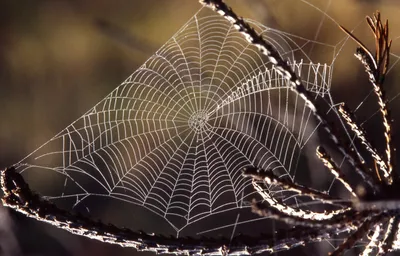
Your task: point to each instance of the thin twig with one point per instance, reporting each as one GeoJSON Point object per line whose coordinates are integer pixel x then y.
{"type": "Point", "coordinates": [356, 236]}
{"type": "Point", "coordinates": [374, 241]}
{"type": "Point", "coordinates": [390, 235]}
{"type": "Point", "coordinates": [335, 170]}
{"type": "Point", "coordinates": [295, 212]}
{"type": "Point", "coordinates": [361, 135]}
{"type": "Point", "coordinates": [350, 218]}
{"type": "Point", "coordinates": [271, 179]}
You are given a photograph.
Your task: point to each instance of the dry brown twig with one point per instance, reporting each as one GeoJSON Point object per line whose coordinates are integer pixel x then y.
{"type": "Point", "coordinates": [376, 66]}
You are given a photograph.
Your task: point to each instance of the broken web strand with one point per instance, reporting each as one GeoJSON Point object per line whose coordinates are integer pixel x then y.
{"type": "Point", "coordinates": [199, 121]}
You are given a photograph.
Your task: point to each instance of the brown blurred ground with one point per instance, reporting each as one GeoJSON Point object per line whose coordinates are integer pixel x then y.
{"type": "Point", "coordinates": [58, 58]}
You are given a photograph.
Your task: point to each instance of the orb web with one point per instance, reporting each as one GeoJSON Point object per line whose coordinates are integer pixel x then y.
{"type": "Point", "coordinates": [174, 137]}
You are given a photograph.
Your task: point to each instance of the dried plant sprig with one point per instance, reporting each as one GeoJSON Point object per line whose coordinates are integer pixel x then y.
{"type": "Point", "coordinates": [295, 211]}
{"type": "Point", "coordinates": [357, 235]}
{"type": "Point", "coordinates": [382, 44]}
{"type": "Point", "coordinates": [271, 179]}
{"type": "Point", "coordinates": [349, 218]}
{"type": "Point", "coordinates": [361, 135]}
{"type": "Point", "coordinates": [376, 66]}
{"type": "Point", "coordinates": [390, 235]}
{"type": "Point", "coordinates": [335, 170]}
{"type": "Point", "coordinates": [296, 85]}
{"type": "Point", "coordinates": [374, 240]}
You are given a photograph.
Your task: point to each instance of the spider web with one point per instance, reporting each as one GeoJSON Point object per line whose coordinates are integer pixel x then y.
{"type": "Point", "coordinates": [174, 137]}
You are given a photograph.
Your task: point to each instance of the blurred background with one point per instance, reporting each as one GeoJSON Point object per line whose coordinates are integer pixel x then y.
{"type": "Point", "coordinates": [59, 58]}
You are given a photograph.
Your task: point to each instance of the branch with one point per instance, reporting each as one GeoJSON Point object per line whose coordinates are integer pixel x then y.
{"type": "Point", "coordinates": [295, 212]}
{"type": "Point", "coordinates": [360, 133]}
{"type": "Point", "coordinates": [334, 169]}
{"type": "Point", "coordinates": [376, 67]}
{"type": "Point", "coordinates": [296, 85]}
{"type": "Point", "coordinates": [356, 236]}
{"type": "Point", "coordinates": [350, 218]}
{"type": "Point", "coordinates": [374, 241]}
{"type": "Point", "coordinates": [271, 179]}
{"type": "Point", "coordinates": [390, 235]}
